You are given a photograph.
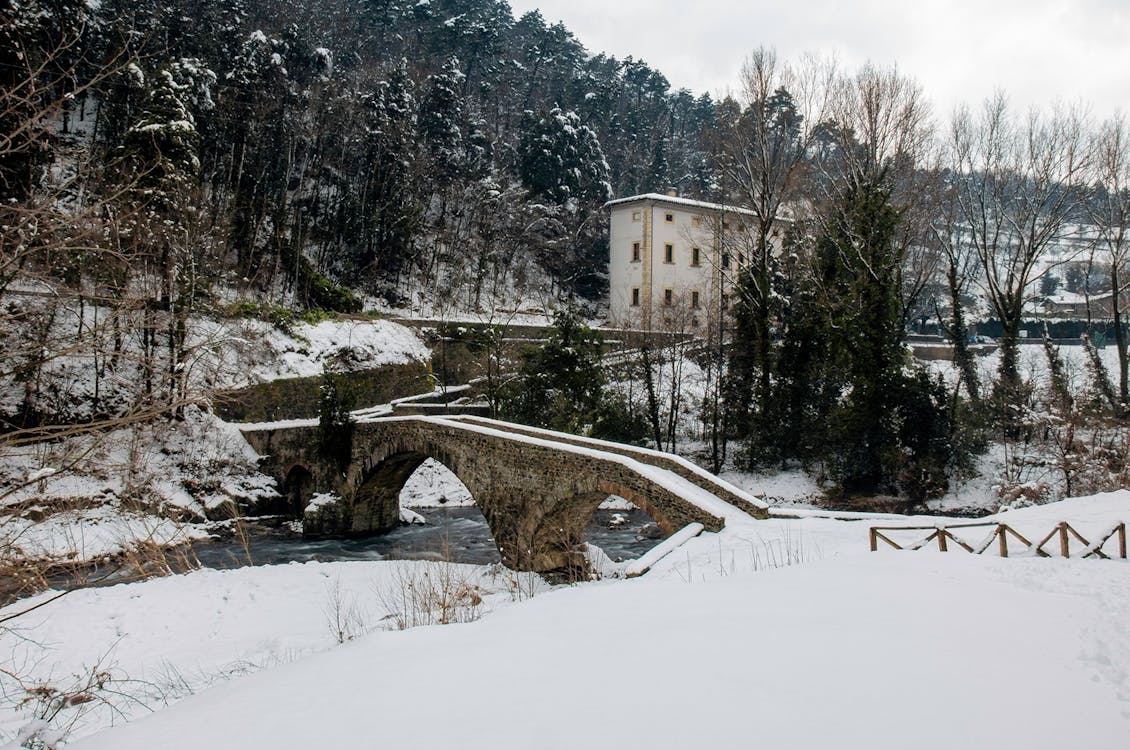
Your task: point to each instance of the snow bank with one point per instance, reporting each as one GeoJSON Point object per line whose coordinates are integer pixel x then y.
{"type": "Point", "coordinates": [91, 534]}
{"type": "Point", "coordinates": [854, 652]}
{"type": "Point", "coordinates": [221, 353]}
{"type": "Point", "coordinates": [169, 637]}
{"type": "Point", "coordinates": [352, 344]}
{"type": "Point", "coordinates": [91, 492]}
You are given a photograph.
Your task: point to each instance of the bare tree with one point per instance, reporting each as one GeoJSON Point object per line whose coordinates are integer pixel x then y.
{"type": "Point", "coordinates": [762, 159]}
{"type": "Point", "coordinates": [878, 138]}
{"type": "Point", "coordinates": [879, 134]}
{"type": "Point", "coordinates": [656, 362]}
{"type": "Point", "coordinates": [1017, 183]}
{"type": "Point", "coordinates": [961, 267]}
{"type": "Point", "coordinates": [1108, 210]}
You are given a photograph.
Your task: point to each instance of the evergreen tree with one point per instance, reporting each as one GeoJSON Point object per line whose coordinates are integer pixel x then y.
{"type": "Point", "coordinates": [844, 391]}
{"type": "Point", "coordinates": [161, 147]}
{"type": "Point", "coordinates": [559, 384]}
{"type": "Point", "coordinates": [388, 213]}
{"type": "Point", "coordinates": [561, 159]}
{"type": "Point", "coordinates": [441, 120]}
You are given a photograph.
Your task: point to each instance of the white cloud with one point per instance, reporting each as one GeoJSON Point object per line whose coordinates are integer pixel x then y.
{"type": "Point", "coordinates": [960, 50]}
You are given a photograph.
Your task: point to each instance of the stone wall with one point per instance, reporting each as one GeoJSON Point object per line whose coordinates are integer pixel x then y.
{"type": "Point", "coordinates": [300, 398]}
{"type": "Point", "coordinates": [459, 354]}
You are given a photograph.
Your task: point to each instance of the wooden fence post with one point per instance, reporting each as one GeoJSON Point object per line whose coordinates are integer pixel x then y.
{"type": "Point", "coordinates": [942, 534]}
{"type": "Point", "coordinates": [1122, 540]}
{"type": "Point", "coordinates": [1002, 540]}
{"type": "Point", "coordinates": [874, 539]}
{"type": "Point", "coordinates": [1064, 543]}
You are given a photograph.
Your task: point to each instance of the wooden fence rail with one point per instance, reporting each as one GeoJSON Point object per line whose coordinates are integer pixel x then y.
{"type": "Point", "coordinates": [1000, 533]}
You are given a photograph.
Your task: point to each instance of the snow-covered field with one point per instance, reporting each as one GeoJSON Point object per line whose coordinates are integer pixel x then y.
{"type": "Point", "coordinates": [1034, 365]}
{"type": "Point", "coordinates": [785, 633]}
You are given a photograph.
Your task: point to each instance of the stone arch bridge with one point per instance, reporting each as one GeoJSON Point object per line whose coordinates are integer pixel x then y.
{"type": "Point", "coordinates": [536, 489]}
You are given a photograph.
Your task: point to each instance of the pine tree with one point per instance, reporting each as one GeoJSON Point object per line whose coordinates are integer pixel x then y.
{"type": "Point", "coordinates": [561, 159]}
{"type": "Point", "coordinates": [441, 120]}
{"type": "Point", "coordinates": [560, 383]}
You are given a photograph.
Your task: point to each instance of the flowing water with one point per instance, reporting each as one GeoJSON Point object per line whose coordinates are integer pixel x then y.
{"type": "Point", "coordinates": [457, 534]}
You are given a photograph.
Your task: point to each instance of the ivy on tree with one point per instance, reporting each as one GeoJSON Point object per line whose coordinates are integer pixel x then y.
{"type": "Point", "coordinates": [335, 422]}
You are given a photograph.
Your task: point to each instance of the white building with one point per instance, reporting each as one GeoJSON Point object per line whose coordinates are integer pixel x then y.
{"type": "Point", "coordinates": [673, 261]}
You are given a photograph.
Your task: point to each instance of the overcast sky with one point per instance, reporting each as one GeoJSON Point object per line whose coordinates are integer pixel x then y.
{"type": "Point", "coordinates": [960, 50]}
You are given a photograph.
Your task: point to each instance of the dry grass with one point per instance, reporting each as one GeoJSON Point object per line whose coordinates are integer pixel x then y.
{"type": "Point", "coordinates": [430, 593]}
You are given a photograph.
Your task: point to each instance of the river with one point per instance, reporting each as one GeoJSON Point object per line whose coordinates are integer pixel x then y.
{"type": "Point", "coordinates": [458, 534]}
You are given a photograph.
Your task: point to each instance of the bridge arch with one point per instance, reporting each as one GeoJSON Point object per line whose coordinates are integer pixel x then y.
{"type": "Point", "coordinates": [536, 525]}
{"type": "Point", "coordinates": [376, 490]}
{"type": "Point", "coordinates": [377, 487]}
{"type": "Point", "coordinates": [296, 490]}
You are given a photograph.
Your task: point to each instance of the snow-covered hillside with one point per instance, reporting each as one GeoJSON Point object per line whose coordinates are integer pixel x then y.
{"type": "Point", "coordinates": [98, 494]}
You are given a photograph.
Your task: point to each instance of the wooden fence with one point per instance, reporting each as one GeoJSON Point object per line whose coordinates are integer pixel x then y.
{"type": "Point", "coordinates": [1000, 534]}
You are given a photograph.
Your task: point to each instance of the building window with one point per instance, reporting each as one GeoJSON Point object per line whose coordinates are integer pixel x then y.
{"type": "Point", "coordinates": [694, 300]}
{"type": "Point", "coordinates": [696, 222]}
{"type": "Point", "coordinates": [635, 296]}
{"type": "Point", "coordinates": [635, 252]}
{"type": "Point", "coordinates": [741, 260]}
{"type": "Point", "coordinates": [694, 322]}
{"type": "Point", "coordinates": [741, 226]}
{"type": "Point", "coordinates": [668, 297]}
{"type": "Point", "coordinates": [669, 217]}
{"type": "Point", "coordinates": [725, 260]}
{"type": "Point", "coordinates": [696, 257]}
{"type": "Point", "coordinates": [635, 215]}
{"type": "Point", "coordinates": [668, 253]}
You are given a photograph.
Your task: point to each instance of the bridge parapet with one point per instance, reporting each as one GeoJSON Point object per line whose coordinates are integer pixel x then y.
{"type": "Point", "coordinates": [752, 505]}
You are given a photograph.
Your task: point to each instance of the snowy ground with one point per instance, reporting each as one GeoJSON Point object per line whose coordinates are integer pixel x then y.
{"type": "Point", "coordinates": [270, 354]}
{"type": "Point", "coordinates": [97, 496]}
{"type": "Point", "coordinates": [1034, 365]}
{"type": "Point", "coordinates": [785, 632]}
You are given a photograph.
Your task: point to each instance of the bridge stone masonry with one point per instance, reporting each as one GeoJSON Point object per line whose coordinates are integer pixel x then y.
{"type": "Point", "coordinates": [536, 489]}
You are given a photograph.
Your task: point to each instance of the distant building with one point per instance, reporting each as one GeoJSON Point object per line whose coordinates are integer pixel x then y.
{"type": "Point", "coordinates": [673, 262]}
{"type": "Point", "coordinates": [1079, 306]}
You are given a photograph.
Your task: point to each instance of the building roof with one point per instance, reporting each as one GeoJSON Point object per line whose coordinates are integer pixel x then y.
{"type": "Point", "coordinates": [678, 201]}
{"type": "Point", "coordinates": [1072, 298]}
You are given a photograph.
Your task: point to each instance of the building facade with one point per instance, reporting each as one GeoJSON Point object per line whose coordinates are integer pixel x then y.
{"type": "Point", "coordinates": [673, 262]}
